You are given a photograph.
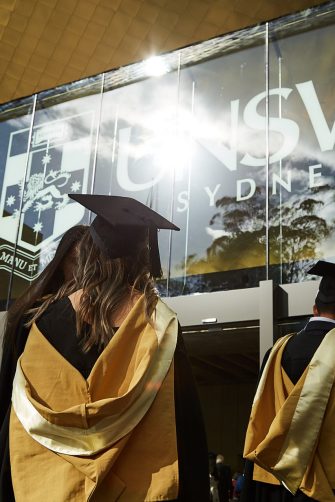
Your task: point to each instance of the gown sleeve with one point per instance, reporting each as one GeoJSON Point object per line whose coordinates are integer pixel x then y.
{"type": "Point", "coordinates": [11, 353]}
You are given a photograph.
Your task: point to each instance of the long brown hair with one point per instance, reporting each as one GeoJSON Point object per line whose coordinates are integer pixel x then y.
{"type": "Point", "coordinates": [106, 284]}
{"type": "Point", "coordinates": [48, 282]}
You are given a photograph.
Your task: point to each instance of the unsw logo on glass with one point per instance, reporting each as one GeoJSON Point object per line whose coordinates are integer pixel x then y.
{"type": "Point", "coordinates": [58, 164]}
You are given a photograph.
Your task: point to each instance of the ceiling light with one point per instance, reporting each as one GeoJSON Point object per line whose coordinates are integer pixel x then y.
{"type": "Point", "coordinates": [209, 320]}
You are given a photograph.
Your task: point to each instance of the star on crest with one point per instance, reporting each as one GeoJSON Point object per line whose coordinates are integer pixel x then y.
{"type": "Point", "coordinates": [53, 173]}
{"type": "Point", "coordinates": [37, 227]}
{"type": "Point", "coordinates": [75, 186]}
{"type": "Point", "coordinates": [10, 201]}
{"type": "Point", "coordinates": [46, 159]}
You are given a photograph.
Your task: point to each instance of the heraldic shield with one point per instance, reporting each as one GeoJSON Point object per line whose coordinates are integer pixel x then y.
{"type": "Point", "coordinates": [35, 210]}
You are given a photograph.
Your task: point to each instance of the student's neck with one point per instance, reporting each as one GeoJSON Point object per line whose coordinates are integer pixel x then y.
{"type": "Point", "coordinates": [75, 299]}
{"type": "Point", "coordinates": [119, 316]}
{"type": "Point", "coordinates": [325, 314]}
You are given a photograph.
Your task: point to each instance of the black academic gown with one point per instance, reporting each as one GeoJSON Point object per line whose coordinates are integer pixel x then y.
{"type": "Point", "coordinates": [8, 367]}
{"type": "Point", "coordinates": [297, 355]}
{"type": "Point", "coordinates": [224, 481]}
{"type": "Point", "coordinates": [191, 439]}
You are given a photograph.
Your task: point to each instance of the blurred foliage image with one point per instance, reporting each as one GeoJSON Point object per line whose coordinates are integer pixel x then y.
{"type": "Point", "coordinates": [294, 234]}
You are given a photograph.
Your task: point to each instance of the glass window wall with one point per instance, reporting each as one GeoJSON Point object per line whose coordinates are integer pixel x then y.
{"type": "Point", "coordinates": [232, 138]}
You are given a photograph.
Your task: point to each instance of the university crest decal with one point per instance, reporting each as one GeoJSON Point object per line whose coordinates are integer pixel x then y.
{"type": "Point", "coordinates": [35, 209]}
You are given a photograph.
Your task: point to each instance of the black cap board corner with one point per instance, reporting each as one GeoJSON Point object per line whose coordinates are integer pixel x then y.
{"type": "Point", "coordinates": [123, 211]}
{"type": "Point", "coordinates": [121, 223]}
{"type": "Point", "coordinates": [325, 270]}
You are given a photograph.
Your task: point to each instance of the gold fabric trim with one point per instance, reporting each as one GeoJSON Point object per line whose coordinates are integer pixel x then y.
{"type": "Point", "coordinates": [87, 441]}
{"type": "Point", "coordinates": [273, 354]}
{"type": "Point", "coordinates": [302, 435]}
{"type": "Point", "coordinates": [286, 420]}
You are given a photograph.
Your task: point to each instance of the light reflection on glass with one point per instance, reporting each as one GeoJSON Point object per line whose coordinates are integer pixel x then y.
{"type": "Point", "coordinates": [155, 66]}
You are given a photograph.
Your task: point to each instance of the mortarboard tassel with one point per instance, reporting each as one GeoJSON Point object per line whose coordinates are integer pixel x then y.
{"type": "Point", "coordinates": [155, 261]}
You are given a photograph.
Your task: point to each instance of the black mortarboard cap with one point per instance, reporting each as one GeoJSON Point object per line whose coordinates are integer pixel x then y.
{"type": "Point", "coordinates": [326, 270]}
{"type": "Point", "coordinates": [121, 225]}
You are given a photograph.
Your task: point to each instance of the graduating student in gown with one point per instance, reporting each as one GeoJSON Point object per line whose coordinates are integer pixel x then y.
{"type": "Point", "coordinates": [290, 440]}
{"type": "Point", "coordinates": [104, 406]}
{"type": "Point", "coordinates": [56, 273]}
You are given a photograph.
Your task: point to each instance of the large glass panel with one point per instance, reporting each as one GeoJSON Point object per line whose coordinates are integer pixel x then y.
{"type": "Point", "coordinates": [137, 148]}
{"type": "Point", "coordinates": [302, 138]}
{"type": "Point", "coordinates": [15, 129]}
{"type": "Point", "coordinates": [61, 158]}
{"type": "Point", "coordinates": [220, 180]}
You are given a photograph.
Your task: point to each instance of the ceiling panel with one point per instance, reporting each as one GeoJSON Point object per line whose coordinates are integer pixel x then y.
{"type": "Point", "coordinates": [45, 43]}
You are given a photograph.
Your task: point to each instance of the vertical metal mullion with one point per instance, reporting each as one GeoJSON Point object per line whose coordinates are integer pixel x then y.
{"type": "Point", "coordinates": [10, 285]}
{"type": "Point", "coordinates": [280, 175]}
{"type": "Point", "coordinates": [267, 246]}
{"type": "Point", "coordinates": [173, 181]}
{"type": "Point", "coordinates": [97, 139]}
{"type": "Point", "coordinates": [114, 147]}
{"type": "Point", "coordinates": [189, 189]}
